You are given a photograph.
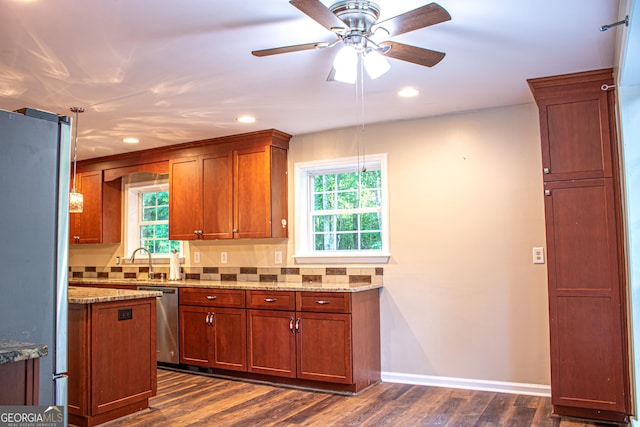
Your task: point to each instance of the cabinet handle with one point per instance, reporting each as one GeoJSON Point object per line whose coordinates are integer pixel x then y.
{"type": "Point", "coordinates": [322, 302]}
{"type": "Point", "coordinates": [545, 170]}
{"type": "Point", "coordinates": [270, 300]}
{"type": "Point", "coordinates": [291, 326]}
{"type": "Point", "coordinates": [213, 318]}
{"type": "Point", "coordinates": [235, 230]}
{"type": "Point", "coordinates": [547, 192]}
{"type": "Point", "coordinates": [211, 297]}
{"type": "Point", "coordinates": [298, 325]}
{"type": "Point", "coordinates": [208, 319]}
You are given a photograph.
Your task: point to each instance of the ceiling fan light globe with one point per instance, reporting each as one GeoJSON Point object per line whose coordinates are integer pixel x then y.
{"type": "Point", "coordinates": [375, 64]}
{"type": "Point", "coordinates": [347, 75]}
{"type": "Point", "coordinates": [346, 58]}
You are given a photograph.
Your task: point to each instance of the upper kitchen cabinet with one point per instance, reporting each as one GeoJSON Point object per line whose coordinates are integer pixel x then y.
{"type": "Point", "coordinates": [235, 191]}
{"type": "Point", "coordinates": [575, 124]}
{"type": "Point", "coordinates": [100, 220]}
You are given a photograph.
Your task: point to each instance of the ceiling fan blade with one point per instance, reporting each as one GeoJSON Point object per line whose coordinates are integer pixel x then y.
{"type": "Point", "coordinates": [319, 13]}
{"type": "Point", "coordinates": [287, 49]}
{"type": "Point", "coordinates": [415, 19]}
{"type": "Point", "coordinates": [414, 54]}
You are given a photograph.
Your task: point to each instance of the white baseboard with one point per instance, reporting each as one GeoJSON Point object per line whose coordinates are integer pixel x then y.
{"type": "Point", "coordinates": [470, 384]}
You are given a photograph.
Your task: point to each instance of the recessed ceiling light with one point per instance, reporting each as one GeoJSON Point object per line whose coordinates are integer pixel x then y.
{"type": "Point", "coordinates": [408, 92]}
{"type": "Point", "coordinates": [131, 140]}
{"type": "Point", "coordinates": [246, 119]}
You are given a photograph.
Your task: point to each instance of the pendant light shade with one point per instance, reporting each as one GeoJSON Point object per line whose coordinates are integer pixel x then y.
{"type": "Point", "coordinates": [76, 200]}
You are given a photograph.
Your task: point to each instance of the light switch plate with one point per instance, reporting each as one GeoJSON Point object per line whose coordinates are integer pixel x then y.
{"type": "Point", "coordinates": [538, 255]}
{"type": "Point", "coordinates": [278, 257]}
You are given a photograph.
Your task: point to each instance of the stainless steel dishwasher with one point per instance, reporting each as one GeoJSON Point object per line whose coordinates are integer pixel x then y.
{"type": "Point", "coordinates": [167, 341]}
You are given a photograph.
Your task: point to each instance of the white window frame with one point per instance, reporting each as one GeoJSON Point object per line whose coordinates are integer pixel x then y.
{"type": "Point", "coordinates": [132, 193]}
{"type": "Point", "coordinates": [304, 249]}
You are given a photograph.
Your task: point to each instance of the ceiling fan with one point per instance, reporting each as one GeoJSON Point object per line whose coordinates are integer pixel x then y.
{"type": "Point", "coordinates": [355, 24]}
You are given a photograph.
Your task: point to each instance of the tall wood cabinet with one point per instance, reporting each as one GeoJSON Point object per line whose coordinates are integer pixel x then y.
{"type": "Point", "coordinates": [229, 194]}
{"type": "Point", "coordinates": [100, 220]}
{"type": "Point", "coordinates": [586, 277]}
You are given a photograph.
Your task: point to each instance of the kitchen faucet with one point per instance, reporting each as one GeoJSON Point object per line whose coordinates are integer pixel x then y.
{"type": "Point", "coordinates": [133, 257]}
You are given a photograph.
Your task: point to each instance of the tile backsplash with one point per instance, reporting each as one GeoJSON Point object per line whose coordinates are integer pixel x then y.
{"type": "Point", "coordinates": [371, 275]}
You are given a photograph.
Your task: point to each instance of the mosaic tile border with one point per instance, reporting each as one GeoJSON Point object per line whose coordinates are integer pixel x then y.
{"type": "Point", "coordinates": [340, 275]}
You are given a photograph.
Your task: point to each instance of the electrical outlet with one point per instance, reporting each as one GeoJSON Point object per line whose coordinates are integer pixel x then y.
{"type": "Point", "coordinates": [117, 260]}
{"type": "Point", "coordinates": [538, 255]}
{"type": "Point", "coordinates": [196, 257]}
{"type": "Point", "coordinates": [278, 257]}
{"type": "Point", "coordinates": [223, 257]}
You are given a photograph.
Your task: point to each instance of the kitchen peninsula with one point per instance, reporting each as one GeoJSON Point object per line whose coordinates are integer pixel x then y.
{"type": "Point", "coordinates": [112, 353]}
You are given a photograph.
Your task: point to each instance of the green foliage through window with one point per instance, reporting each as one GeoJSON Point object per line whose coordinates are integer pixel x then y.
{"type": "Point", "coordinates": [347, 211]}
{"type": "Point", "coordinates": [154, 223]}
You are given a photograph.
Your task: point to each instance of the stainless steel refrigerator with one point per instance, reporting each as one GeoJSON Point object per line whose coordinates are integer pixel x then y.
{"type": "Point", "coordinates": [34, 219]}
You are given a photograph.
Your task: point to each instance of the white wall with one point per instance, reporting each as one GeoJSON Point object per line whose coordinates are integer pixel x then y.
{"type": "Point", "coordinates": [461, 298]}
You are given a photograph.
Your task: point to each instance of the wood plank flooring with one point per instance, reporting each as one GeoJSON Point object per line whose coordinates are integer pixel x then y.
{"type": "Point", "coordinates": [198, 400]}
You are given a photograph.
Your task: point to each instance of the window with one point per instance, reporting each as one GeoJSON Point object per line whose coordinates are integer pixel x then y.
{"type": "Point", "coordinates": [341, 211]}
{"type": "Point", "coordinates": [147, 224]}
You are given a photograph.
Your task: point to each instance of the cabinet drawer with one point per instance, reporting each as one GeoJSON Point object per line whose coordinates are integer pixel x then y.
{"type": "Point", "coordinates": [231, 298]}
{"type": "Point", "coordinates": [324, 302]}
{"type": "Point", "coordinates": [271, 300]}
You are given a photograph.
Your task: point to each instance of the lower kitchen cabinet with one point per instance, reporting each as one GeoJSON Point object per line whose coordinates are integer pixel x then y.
{"type": "Point", "coordinates": [111, 359]}
{"type": "Point", "coordinates": [212, 336]}
{"type": "Point", "coordinates": [328, 340]}
{"type": "Point", "coordinates": [330, 337]}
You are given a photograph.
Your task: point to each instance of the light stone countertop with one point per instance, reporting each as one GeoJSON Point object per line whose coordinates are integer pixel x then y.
{"type": "Point", "coordinates": [212, 284]}
{"type": "Point", "coordinates": [83, 295]}
{"type": "Point", "coordinates": [16, 351]}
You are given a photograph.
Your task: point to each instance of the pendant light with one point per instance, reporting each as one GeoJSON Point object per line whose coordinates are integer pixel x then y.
{"type": "Point", "coordinates": [76, 200]}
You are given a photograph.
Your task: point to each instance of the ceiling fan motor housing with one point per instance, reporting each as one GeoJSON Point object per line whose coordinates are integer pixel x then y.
{"type": "Point", "coordinates": [359, 15]}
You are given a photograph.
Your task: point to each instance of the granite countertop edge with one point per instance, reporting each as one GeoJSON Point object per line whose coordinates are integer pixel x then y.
{"type": "Point", "coordinates": [214, 284]}
{"type": "Point", "coordinates": [92, 295]}
{"type": "Point", "coordinates": [16, 351]}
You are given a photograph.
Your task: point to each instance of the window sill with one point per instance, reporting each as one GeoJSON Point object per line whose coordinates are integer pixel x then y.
{"type": "Point", "coordinates": [334, 258]}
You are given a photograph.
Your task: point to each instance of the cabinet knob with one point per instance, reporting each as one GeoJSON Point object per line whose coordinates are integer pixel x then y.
{"type": "Point", "coordinates": [235, 230]}
{"type": "Point", "coordinates": [545, 170]}
{"type": "Point", "coordinates": [284, 223]}
{"type": "Point", "coordinates": [547, 192]}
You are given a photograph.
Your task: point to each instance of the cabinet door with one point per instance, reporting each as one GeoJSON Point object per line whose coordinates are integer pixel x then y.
{"type": "Point", "coordinates": [217, 177]}
{"type": "Point", "coordinates": [272, 344]}
{"type": "Point", "coordinates": [86, 227]}
{"type": "Point", "coordinates": [123, 354]}
{"type": "Point", "coordinates": [324, 347]}
{"type": "Point", "coordinates": [194, 335]}
{"type": "Point", "coordinates": [576, 134]}
{"type": "Point", "coordinates": [185, 198]}
{"type": "Point", "coordinates": [229, 349]}
{"type": "Point", "coordinates": [588, 352]}
{"type": "Point", "coordinates": [252, 193]}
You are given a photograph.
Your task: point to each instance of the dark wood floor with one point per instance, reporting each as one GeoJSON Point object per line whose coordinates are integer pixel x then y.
{"type": "Point", "coordinates": [197, 400]}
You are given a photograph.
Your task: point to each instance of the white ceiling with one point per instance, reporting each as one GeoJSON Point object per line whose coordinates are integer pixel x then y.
{"type": "Point", "coordinates": [175, 71]}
